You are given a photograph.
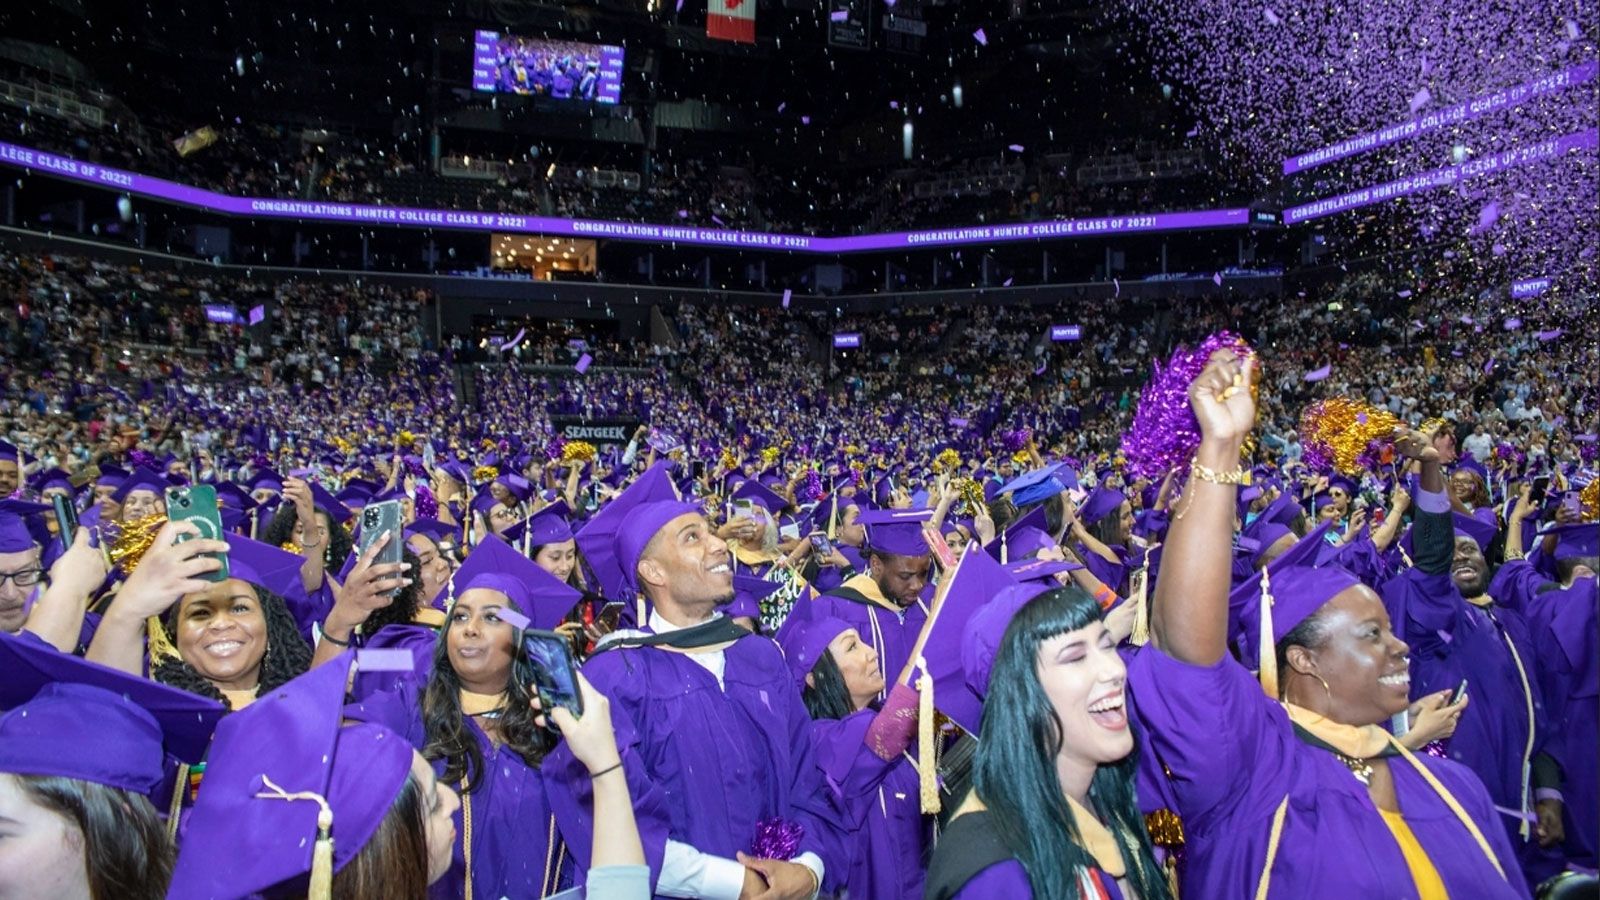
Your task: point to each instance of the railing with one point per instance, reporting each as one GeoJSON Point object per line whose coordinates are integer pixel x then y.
{"type": "Point", "coordinates": [51, 100]}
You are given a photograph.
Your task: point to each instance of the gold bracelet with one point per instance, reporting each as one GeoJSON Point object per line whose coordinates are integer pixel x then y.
{"type": "Point", "coordinates": [1239, 476]}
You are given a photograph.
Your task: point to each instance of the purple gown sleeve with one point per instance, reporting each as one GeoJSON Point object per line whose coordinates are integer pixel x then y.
{"type": "Point", "coordinates": [1004, 879]}
{"type": "Point", "coordinates": [810, 802]}
{"type": "Point", "coordinates": [1515, 585]}
{"type": "Point", "coordinates": [1220, 737]}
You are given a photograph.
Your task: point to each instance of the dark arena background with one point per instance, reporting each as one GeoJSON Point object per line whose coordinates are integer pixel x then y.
{"type": "Point", "coordinates": [916, 327]}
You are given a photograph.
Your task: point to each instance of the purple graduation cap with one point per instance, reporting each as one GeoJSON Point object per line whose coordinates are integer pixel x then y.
{"type": "Point", "coordinates": [265, 566]}
{"type": "Point", "coordinates": [599, 538]}
{"type": "Point", "coordinates": [762, 496]}
{"type": "Point", "coordinates": [547, 526]}
{"type": "Point", "coordinates": [536, 594]}
{"type": "Point", "coordinates": [805, 639]}
{"type": "Point", "coordinates": [354, 497]}
{"type": "Point", "coordinates": [434, 529]}
{"type": "Point", "coordinates": [10, 453]}
{"type": "Point", "coordinates": [110, 476]}
{"type": "Point", "coordinates": [1286, 593]}
{"type": "Point", "coordinates": [262, 480]}
{"type": "Point", "coordinates": [287, 781]}
{"type": "Point", "coordinates": [53, 480]}
{"type": "Point", "coordinates": [1101, 502]}
{"type": "Point", "coordinates": [73, 718]}
{"type": "Point", "coordinates": [1026, 532]}
{"type": "Point", "coordinates": [1576, 540]}
{"type": "Point", "coordinates": [1040, 484]}
{"type": "Point", "coordinates": [1042, 571]}
{"type": "Point", "coordinates": [1482, 533]}
{"type": "Point", "coordinates": [337, 512]}
{"type": "Point", "coordinates": [1467, 463]}
{"type": "Point", "coordinates": [975, 581]}
{"type": "Point", "coordinates": [14, 534]}
{"type": "Point", "coordinates": [896, 532]}
{"type": "Point", "coordinates": [517, 485]}
{"type": "Point", "coordinates": [142, 479]}
{"type": "Point", "coordinates": [1343, 483]}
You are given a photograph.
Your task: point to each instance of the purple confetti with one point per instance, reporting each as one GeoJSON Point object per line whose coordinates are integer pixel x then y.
{"type": "Point", "coordinates": [1116, 288]}
{"type": "Point", "coordinates": [1403, 294]}
{"type": "Point", "coordinates": [782, 105]}
{"type": "Point", "coordinates": [1015, 148]}
{"type": "Point", "coordinates": [805, 120]}
{"type": "Point", "coordinates": [787, 294]}
{"type": "Point", "coordinates": [1420, 99]}
{"type": "Point", "coordinates": [1006, 283]}
{"type": "Point", "coordinates": [1513, 323]}
{"type": "Point", "coordinates": [1319, 374]}
{"type": "Point", "coordinates": [839, 15]}
{"type": "Point", "coordinates": [514, 618]}
{"type": "Point", "coordinates": [1272, 17]}
{"type": "Point", "coordinates": [583, 363]}
{"type": "Point", "coordinates": [1550, 335]}
{"type": "Point", "coordinates": [894, 104]}
{"type": "Point", "coordinates": [980, 37]}
{"type": "Point", "coordinates": [958, 423]}
{"type": "Point", "coordinates": [683, 214]}
{"type": "Point", "coordinates": [1217, 278]}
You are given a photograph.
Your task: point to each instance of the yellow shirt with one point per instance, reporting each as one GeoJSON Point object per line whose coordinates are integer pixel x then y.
{"type": "Point", "coordinates": [1423, 874]}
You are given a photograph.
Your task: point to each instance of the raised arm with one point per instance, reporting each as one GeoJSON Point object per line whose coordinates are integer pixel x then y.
{"type": "Point", "coordinates": [1189, 613]}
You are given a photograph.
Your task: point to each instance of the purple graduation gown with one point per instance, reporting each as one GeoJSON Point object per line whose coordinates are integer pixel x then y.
{"type": "Point", "coordinates": [724, 759]}
{"type": "Point", "coordinates": [887, 834]}
{"type": "Point", "coordinates": [1234, 755]}
{"type": "Point", "coordinates": [1113, 575]}
{"type": "Point", "coordinates": [1563, 622]}
{"type": "Point", "coordinates": [1452, 640]}
{"type": "Point", "coordinates": [892, 635]}
{"type": "Point", "coordinates": [1010, 880]}
{"type": "Point", "coordinates": [518, 810]}
{"type": "Point", "coordinates": [829, 578]}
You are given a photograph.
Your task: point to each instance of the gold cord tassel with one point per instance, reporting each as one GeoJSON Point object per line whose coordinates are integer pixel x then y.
{"type": "Point", "coordinates": [1141, 611]}
{"type": "Point", "coordinates": [1267, 649]}
{"type": "Point", "coordinates": [927, 764]}
{"type": "Point", "coordinates": [321, 885]}
{"type": "Point", "coordinates": [160, 645]}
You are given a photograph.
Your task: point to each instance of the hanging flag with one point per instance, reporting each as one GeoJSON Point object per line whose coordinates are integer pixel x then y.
{"type": "Point", "coordinates": [731, 20]}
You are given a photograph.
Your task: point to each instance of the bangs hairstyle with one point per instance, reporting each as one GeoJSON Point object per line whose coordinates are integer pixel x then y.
{"type": "Point", "coordinates": [1014, 769]}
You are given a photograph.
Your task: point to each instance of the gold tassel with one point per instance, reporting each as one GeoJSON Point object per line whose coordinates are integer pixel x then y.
{"type": "Point", "coordinates": [1266, 647]}
{"type": "Point", "coordinates": [1141, 612]}
{"type": "Point", "coordinates": [175, 808]}
{"type": "Point", "coordinates": [927, 764]}
{"type": "Point", "coordinates": [1003, 550]}
{"type": "Point", "coordinates": [321, 886]}
{"type": "Point", "coordinates": [160, 646]}
{"type": "Point", "coordinates": [833, 516]}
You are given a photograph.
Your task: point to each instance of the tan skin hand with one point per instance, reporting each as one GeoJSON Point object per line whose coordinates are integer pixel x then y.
{"type": "Point", "coordinates": [1433, 718]}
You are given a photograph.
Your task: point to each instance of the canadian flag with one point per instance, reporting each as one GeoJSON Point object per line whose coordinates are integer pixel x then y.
{"type": "Point", "coordinates": [731, 20]}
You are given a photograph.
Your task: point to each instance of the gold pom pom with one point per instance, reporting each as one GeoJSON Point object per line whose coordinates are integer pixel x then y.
{"type": "Point", "coordinates": [578, 451]}
{"type": "Point", "coordinates": [852, 450]}
{"type": "Point", "coordinates": [769, 456]}
{"type": "Point", "coordinates": [1021, 457]}
{"type": "Point", "coordinates": [1342, 429]}
{"type": "Point", "coordinates": [948, 460]}
{"type": "Point", "coordinates": [485, 473]}
{"type": "Point", "coordinates": [1589, 498]}
{"type": "Point", "coordinates": [729, 461]}
{"type": "Point", "coordinates": [405, 439]}
{"type": "Point", "coordinates": [130, 541]}
{"type": "Point", "coordinates": [971, 492]}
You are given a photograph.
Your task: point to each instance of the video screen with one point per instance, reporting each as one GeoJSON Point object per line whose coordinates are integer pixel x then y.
{"type": "Point", "coordinates": [563, 70]}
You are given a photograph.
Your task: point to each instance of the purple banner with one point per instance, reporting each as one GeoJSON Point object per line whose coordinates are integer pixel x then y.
{"type": "Point", "coordinates": [1066, 332]}
{"type": "Point", "coordinates": [847, 340]}
{"type": "Point", "coordinates": [224, 314]}
{"type": "Point", "coordinates": [1524, 288]}
{"type": "Point", "coordinates": [409, 217]}
{"type": "Point", "coordinates": [1481, 105]}
{"type": "Point", "coordinates": [1445, 177]}
{"type": "Point", "coordinates": [257, 314]}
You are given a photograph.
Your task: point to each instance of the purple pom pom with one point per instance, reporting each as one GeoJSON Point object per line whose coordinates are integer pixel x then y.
{"type": "Point", "coordinates": [427, 505]}
{"type": "Point", "coordinates": [1165, 433]}
{"type": "Point", "coordinates": [777, 838]}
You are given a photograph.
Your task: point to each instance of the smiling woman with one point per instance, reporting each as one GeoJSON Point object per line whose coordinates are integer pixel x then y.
{"type": "Point", "coordinates": [234, 641]}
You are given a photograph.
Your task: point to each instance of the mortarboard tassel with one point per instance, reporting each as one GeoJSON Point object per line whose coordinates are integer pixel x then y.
{"type": "Point", "coordinates": [321, 886]}
{"type": "Point", "coordinates": [160, 645]}
{"type": "Point", "coordinates": [927, 765]}
{"type": "Point", "coordinates": [1266, 649]}
{"type": "Point", "coordinates": [833, 515]}
{"type": "Point", "coordinates": [1141, 597]}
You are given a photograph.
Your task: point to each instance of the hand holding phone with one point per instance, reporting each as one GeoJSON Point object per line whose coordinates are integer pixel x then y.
{"type": "Point", "coordinates": [1541, 488]}
{"type": "Point", "coordinates": [378, 520]}
{"type": "Point", "coordinates": [66, 518]}
{"type": "Point", "coordinates": [555, 673]}
{"type": "Point", "coordinates": [198, 505]}
{"type": "Point", "coordinates": [821, 547]}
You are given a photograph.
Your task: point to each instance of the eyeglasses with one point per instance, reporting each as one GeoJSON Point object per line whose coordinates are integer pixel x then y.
{"type": "Point", "coordinates": [24, 578]}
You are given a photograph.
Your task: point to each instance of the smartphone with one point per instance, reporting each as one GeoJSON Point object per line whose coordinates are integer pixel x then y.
{"type": "Point", "coordinates": [744, 509]}
{"type": "Point", "coordinates": [940, 549]}
{"type": "Point", "coordinates": [699, 469]}
{"type": "Point", "coordinates": [555, 673]}
{"type": "Point", "coordinates": [198, 504]}
{"type": "Point", "coordinates": [820, 545]}
{"type": "Point", "coordinates": [1541, 487]}
{"type": "Point", "coordinates": [378, 520]}
{"type": "Point", "coordinates": [1572, 503]}
{"type": "Point", "coordinates": [66, 518]}
{"type": "Point", "coordinates": [608, 618]}
{"type": "Point", "coordinates": [1461, 691]}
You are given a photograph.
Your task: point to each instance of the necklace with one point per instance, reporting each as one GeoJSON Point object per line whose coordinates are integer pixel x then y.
{"type": "Point", "coordinates": [1360, 768]}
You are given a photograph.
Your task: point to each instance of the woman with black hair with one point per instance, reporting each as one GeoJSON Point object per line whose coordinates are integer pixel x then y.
{"type": "Point", "coordinates": [861, 747]}
{"type": "Point", "coordinates": [474, 720]}
{"type": "Point", "coordinates": [1052, 813]}
{"type": "Point", "coordinates": [1103, 528]}
{"type": "Point", "coordinates": [229, 640]}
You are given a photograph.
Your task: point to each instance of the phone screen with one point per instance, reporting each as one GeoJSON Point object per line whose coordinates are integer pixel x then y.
{"type": "Point", "coordinates": [940, 549]}
{"type": "Point", "coordinates": [820, 545]}
{"type": "Point", "coordinates": [1541, 486]}
{"type": "Point", "coordinates": [555, 674]}
{"type": "Point", "coordinates": [66, 518]}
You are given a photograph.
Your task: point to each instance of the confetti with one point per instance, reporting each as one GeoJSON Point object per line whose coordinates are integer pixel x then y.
{"type": "Point", "coordinates": [583, 363]}
{"type": "Point", "coordinates": [1015, 148]}
{"type": "Point", "coordinates": [787, 294]}
{"type": "Point", "coordinates": [1319, 374]}
{"type": "Point", "coordinates": [980, 37]}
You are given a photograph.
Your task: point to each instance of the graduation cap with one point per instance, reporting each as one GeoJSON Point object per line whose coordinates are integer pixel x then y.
{"type": "Point", "coordinates": [1035, 521]}
{"type": "Point", "coordinates": [547, 526]}
{"type": "Point", "coordinates": [15, 536]}
{"type": "Point", "coordinates": [1468, 464]}
{"type": "Point", "coordinates": [599, 538]}
{"type": "Point", "coordinates": [896, 532]}
{"type": "Point", "coordinates": [110, 476]}
{"type": "Point", "coordinates": [142, 479]}
{"type": "Point", "coordinates": [434, 529]}
{"type": "Point", "coordinates": [10, 453]}
{"type": "Point", "coordinates": [1342, 483]}
{"type": "Point", "coordinates": [73, 718]}
{"type": "Point", "coordinates": [1286, 593]}
{"type": "Point", "coordinates": [538, 595]}
{"type": "Point", "coordinates": [1481, 532]}
{"type": "Point", "coordinates": [328, 503]}
{"type": "Point", "coordinates": [231, 496]}
{"type": "Point", "coordinates": [51, 480]}
{"type": "Point", "coordinates": [974, 583]}
{"type": "Point", "coordinates": [1579, 539]}
{"type": "Point", "coordinates": [265, 566]}
{"type": "Point", "coordinates": [748, 592]}
{"type": "Point", "coordinates": [519, 487]}
{"type": "Point", "coordinates": [804, 639]}
{"type": "Point", "coordinates": [288, 781]}
{"type": "Point", "coordinates": [1102, 502]}
{"type": "Point", "coordinates": [1043, 571]}
{"type": "Point", "coordinates": [354, 497]}
{"type": "Point", "coordinates": [1040, 484]}
{"type": "Point", "coordinates": [762, 496]}
{"type": "Point", "coordinates": [262, 480]}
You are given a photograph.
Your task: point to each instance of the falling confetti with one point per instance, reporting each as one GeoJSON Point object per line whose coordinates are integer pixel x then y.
{"type": "Point", "coordinates": [980, 37]}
